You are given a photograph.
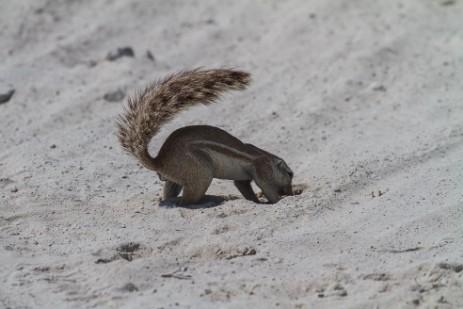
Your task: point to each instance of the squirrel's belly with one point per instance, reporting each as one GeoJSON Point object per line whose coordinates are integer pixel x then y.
{"type": "Point", "coordinates": [230, 168]}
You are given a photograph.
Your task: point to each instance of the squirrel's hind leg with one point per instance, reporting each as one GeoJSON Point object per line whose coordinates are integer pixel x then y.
{"type": "Point", "coordinates": [195, 191]}
{"type": "Point", "coordinates": [171, 189]}
{"type": "Point", "coordinates": [200, 175]}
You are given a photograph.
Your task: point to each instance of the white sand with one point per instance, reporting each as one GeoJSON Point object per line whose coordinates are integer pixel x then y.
{"type": "Point", "coordinates": [357, 96]}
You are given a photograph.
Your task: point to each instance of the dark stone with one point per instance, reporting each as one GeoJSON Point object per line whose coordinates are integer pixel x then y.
{"type": "Point", "coordinates": [149, 55]}
{"type": "Point", "coordinates": [121, 52]}
{"type": "Point", "coordinates": [5, 97]}
{"type": "Point", "coordinates": [129, 287]}
{"type": "Point", "coordinates": [114, 96]}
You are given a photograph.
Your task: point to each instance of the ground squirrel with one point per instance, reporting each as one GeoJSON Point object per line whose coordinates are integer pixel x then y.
{"type": "Point", "coordinates": [192, 156]}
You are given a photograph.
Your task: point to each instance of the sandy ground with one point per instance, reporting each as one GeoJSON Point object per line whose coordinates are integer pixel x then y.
{"type": "Point", "coordinates": [363, 99]}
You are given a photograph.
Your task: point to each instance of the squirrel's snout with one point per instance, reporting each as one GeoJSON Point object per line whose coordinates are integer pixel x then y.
{"type": "Point", "coordinates": [288, 190]}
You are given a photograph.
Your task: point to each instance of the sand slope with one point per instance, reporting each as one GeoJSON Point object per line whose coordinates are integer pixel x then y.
{"type": "Point", "coordinates": [363, 99]}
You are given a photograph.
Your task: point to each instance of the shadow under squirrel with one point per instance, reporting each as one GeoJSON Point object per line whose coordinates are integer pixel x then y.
{"type": "Point", "coordinates": [193, 155]}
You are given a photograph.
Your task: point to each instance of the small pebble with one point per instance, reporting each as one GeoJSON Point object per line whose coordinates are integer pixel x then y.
{"type": "Point", "coordinates": [448, 2]}
{"type": "Point", "coordinates": [5, 97]}
{"type": "Point", "coordinates": [149, 55]}
{"type": "Point", "coordinates": [129, 287]}
{"type": "Point", "coordinates": [114, 96]}
{"type": "Point", "coordinates": [121, 52]}
{"type": "Point", "coordinates": [92, 63]}
{"type": "Point", "coordinates": [379, 88]}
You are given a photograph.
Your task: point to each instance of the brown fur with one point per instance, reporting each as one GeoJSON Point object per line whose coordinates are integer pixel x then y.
{"type": "Point", "coordinates": [192, 156]}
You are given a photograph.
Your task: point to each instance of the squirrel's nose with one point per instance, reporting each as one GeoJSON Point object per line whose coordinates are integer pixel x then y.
{"type": "Point", "coordinates": [289, 191]}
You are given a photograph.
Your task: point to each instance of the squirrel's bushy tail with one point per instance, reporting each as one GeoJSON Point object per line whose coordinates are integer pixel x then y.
{"type": "Point", "coordinates": [158, 103]}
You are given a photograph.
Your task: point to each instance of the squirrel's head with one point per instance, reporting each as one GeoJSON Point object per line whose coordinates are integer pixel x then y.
{"type": "Point", "coordinates": [283, 177]}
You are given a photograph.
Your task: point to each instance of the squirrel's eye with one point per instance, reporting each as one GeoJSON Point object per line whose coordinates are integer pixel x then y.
{"type": "Point", "coordinates": [290, 174]}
